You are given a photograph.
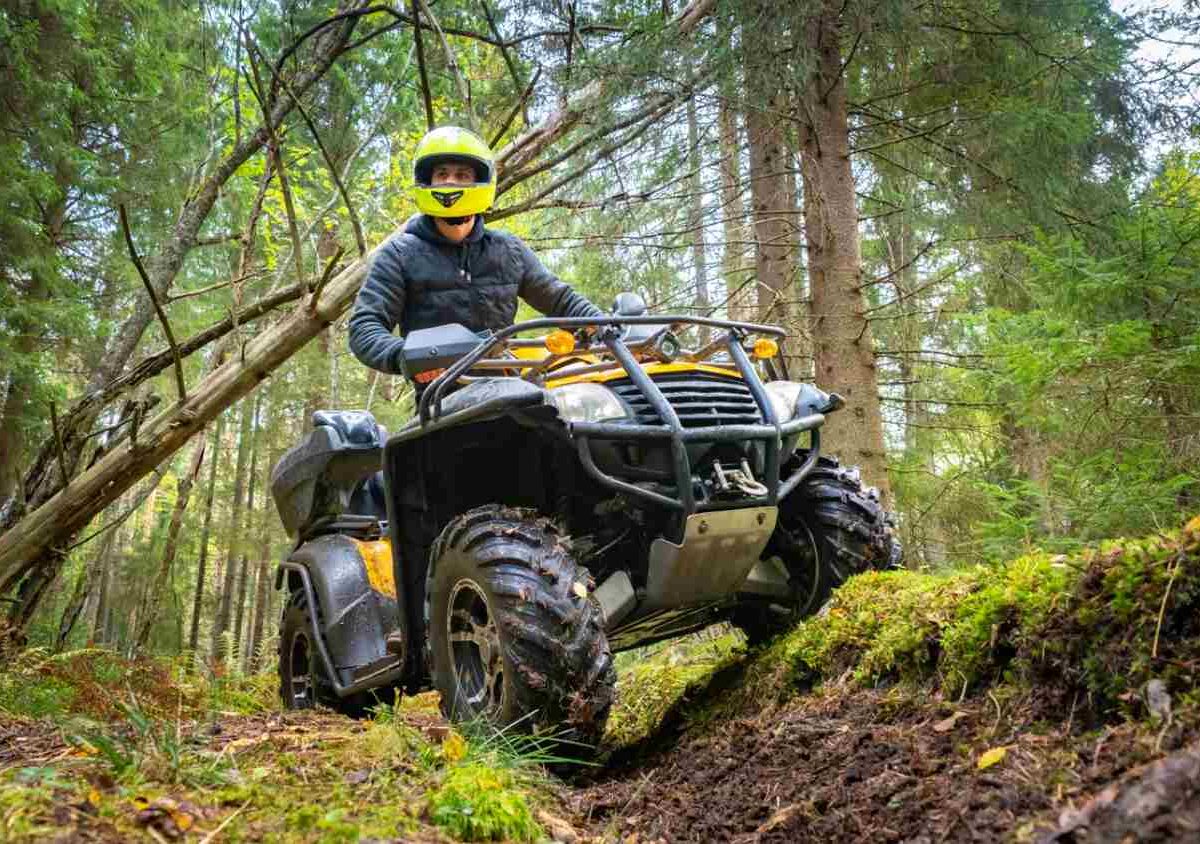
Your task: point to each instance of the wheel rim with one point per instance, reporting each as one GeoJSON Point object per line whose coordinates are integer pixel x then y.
{"type": "Point", "coordinates": [802, 560]}
{"type": "Point", "coordinates": [300, 673]}
{"type": "Point", "coordinates": [475, 654]}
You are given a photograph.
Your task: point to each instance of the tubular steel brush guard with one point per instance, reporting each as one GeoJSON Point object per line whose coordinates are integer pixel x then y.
{"type": "Point", "coordinates": [772, 433]}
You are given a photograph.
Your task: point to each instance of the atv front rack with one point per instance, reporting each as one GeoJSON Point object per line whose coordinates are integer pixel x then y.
{"type": "Point", "coordinates": [772, 432]}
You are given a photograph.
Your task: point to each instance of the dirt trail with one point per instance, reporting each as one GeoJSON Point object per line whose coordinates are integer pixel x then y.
{"type": "Point", "coordinates": [847, 764]}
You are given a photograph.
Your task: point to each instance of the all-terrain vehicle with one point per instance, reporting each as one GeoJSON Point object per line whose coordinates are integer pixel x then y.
{"type": "Point", "coordinates": [556, 499]}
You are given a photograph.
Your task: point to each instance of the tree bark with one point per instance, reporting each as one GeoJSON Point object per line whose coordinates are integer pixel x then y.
{"type": "Point", "coordinates": [234, 538]}
{"type": "Point", "coordinates": [843, 344]}
{"type": "Point", "coordinates": [774, 219]}
{"type": "Point", "coordinates": [154, 599]}
{"type": "Point", "coordinates": [243, 556]}
{"type": "Point", "coordinates": [202, 564]}
{"type": "Point", "coordinates": [696, 220]}
{"type": "Point", "coordinates": [739, 285]}
{"type": "Point", "coordinates": [84, 584]}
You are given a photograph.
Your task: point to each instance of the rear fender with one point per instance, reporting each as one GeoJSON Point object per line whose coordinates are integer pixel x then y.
{"type": "Point", "coordinates": [355, 592]}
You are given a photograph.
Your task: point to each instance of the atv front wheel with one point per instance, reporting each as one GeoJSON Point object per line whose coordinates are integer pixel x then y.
{"type": "Point", "coordinates": [513, 636]}
{"type": "Point", "coordinates": [829, 528]}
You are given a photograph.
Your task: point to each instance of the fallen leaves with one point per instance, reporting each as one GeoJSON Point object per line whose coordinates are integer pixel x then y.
{"type": "Point", "coordinates": [947, 724]}
{"type": "Point", "coordinates": [169, 818]}
{"type": "Point", "coordinates": [991, 757]}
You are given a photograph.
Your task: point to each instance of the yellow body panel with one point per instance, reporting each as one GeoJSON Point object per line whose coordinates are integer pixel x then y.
{"type": "Point", "coordinates": [377, 557]}
{"type": "Point", "coordinates": [649, 369]}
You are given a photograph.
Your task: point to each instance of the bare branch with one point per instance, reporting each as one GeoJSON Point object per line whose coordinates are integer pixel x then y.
{"type": "Point", "coordinates": [508, 60]}
{"type": "Point", "coordinates": [162, 315]}
{"type": "Point", "coordinates": [425, 92]}
{"type": "Point", "coordinates": [337, 180]}
{"type": "Point", "coordinates": [517, 107]}
{"type": "Point", "coordinates": [58, 441]}
{"type": "Point", "coordinates": [293, 229]}
{"type": "Point", "coordinates": [325, 276]}
{"type": "Point", "coordinates": [464, 92]}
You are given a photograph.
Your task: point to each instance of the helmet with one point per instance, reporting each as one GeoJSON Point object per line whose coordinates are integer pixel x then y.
{"type": "Point", "coordinates": [451, 143]}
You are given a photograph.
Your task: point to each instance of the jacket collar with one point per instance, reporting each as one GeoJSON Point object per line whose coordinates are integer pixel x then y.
{"type": "Point", "coordinates": [422, 226]}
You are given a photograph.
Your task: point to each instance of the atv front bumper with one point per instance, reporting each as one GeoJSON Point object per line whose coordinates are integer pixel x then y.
{"type": "Point", "coordinates": [771, 434]}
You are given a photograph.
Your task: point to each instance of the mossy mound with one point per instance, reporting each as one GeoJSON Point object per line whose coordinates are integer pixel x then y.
{"type": "Point", "coordinates": [1096, 626]}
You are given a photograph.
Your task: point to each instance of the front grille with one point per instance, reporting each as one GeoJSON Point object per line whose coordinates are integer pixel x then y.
{"type": "Point", "coordinates": [700, 400]}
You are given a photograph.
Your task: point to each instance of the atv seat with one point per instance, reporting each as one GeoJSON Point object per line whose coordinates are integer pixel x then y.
{"type": "Point", "coordinates": [334, 471]}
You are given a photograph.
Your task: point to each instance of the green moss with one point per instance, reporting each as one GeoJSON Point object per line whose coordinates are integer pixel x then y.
{"type": "Point", "coordinates": [649, 688]}
{"type": "Point", "coordinates": [1101, 622]}
{"type": "Point", "coordinates": [478, 803]}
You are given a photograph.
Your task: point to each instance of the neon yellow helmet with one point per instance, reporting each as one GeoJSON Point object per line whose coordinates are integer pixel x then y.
{"type": "Point", "coordinates": [452, 143]}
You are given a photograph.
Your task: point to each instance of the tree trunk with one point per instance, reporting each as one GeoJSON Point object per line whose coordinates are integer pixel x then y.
{"type": "Point", "coordinates": [234, 538]}
{"type": "Point", "coordinates": [155, 597]}
{"type": "Point", "coordinates": [243, 557]}
{"type": "Point", "coordinates": [739, 285]}
{"type": "Point", "coordinates": [843, 346]}
{"type": "Point", "coordinates": [202, 564]}
{"type": "Point", "coordinates": [773, 223]}
{"type": "Point", "coordinates": [84, 584]}
{"type": "Point", "coordinates": [696, 220]}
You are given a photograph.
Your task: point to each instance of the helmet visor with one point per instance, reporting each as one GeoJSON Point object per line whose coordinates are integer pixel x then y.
{"type": "Point", "coordinates": [423, 169]}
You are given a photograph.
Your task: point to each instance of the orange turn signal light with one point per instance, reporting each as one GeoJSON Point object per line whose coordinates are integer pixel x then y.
{"type": "Point", "coordinates": [560, 342]}
{"type": "Point", "coordinates": [765, 348]}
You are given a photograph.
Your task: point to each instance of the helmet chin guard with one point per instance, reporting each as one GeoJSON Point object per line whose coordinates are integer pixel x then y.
{"type": "Point", "coordinates": [462, 146]}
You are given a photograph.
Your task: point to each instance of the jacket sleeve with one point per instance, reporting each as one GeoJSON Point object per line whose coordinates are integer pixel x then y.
{"type": "Point", "coordinates": [542, 289]}
{"type": "Point", "coordinates": [379, 308]}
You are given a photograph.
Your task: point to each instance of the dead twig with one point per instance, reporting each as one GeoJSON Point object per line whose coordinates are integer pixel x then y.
{"type": "Point", "coordinates": [325, 276]}
{"type": "Point", "coordinates": [162, 316]}
{"type": "Point", "coordinates": [256, 88]}
{"type": "Point", "coordinates": [58, 443]}
{"type": "Point", "coordinates": [508, 60]}
{"type": "Point", "coordinates": [1162, 608]}
{"type": "Point", "coordinates": [517, 107]}
{"type": "Point", "coordinates": [333, 173]}
{"type": "Point", "coordinates": [421, 72]}
{"type": "Point", "coordinates": [464, 90]}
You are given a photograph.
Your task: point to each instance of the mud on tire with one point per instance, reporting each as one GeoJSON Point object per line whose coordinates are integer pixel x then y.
{"type": "Point", "coordinates": [512, 634]}
{"type": "Point", "coordinates": [830, 528]}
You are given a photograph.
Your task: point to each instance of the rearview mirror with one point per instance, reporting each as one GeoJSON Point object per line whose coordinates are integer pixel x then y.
{"type": "Point", "coordinates": [629, 304]}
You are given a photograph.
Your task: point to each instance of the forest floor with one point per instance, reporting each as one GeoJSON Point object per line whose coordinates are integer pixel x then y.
{"type": "Point", "coordinates": [1052, 699]}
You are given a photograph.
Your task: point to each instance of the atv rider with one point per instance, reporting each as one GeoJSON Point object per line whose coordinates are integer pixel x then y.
{"type": "Point", "coordinates": [446, 266]}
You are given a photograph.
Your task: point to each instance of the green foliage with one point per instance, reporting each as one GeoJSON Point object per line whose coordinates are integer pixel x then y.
{"type": "Point", "coordinates": [478, 803]}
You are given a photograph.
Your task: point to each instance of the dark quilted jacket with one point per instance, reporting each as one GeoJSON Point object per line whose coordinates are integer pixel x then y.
{"type": "Point", "coordinates": [420, 279]}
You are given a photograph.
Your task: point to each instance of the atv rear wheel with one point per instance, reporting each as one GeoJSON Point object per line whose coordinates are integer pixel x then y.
{"type": "Point", "coordinates": [829, 528]}
{"type": "Point", "coordinates": [303, 681]}
{"type": "Point", "coordinates": [512, 633]}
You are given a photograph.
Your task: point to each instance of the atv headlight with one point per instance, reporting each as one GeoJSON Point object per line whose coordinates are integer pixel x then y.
{"type": "Point", "coordinates": [588, 403]}
{"type": "Point", "coordinates": [784, 395]}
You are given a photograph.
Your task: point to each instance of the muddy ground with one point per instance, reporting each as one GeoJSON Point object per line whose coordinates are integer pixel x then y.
{"type": "Point", "coordinates": [847, 764]}
{"type": "Point", "coordinates": [836, 764]}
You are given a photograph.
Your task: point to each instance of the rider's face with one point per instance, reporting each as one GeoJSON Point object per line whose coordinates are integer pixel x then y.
{"type": "Point", "coordinates": [453, 173]}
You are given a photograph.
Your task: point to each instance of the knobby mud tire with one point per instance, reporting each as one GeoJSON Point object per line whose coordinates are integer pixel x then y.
{"type": "Point", "coordinates": [295, 624]}
{"type": "Point", "coordinates": [832, 513]}
{"type": "Point", "coordinates": [557, 676]}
